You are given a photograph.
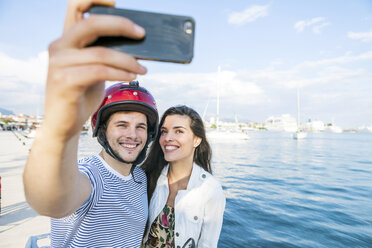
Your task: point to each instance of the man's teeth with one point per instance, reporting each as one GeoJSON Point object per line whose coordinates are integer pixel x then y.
{"type": "Point", "coordinates": [170, 148]}
{"type": "Point", "coordinates": [129, 146]}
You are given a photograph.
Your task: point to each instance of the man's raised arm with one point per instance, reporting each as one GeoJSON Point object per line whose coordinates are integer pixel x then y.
{"type": "Point", "coordinates": [75, 88]}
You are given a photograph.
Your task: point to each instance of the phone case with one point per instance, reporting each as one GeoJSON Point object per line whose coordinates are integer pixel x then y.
{"type": "Point", "coordinates": [168, 38]}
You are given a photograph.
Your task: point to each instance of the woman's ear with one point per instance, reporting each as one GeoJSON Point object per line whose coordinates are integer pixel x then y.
{"type": "Point", "coordinates": [197, 141]}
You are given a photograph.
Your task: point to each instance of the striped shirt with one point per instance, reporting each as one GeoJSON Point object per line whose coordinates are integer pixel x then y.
{"type": "Point", "coordinates": [114, 215]}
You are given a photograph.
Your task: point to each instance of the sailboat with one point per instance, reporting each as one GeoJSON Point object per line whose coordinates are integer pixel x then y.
{"type": "Point", "coordinates": [299, 134]}
{"type": "Point", "coordinates": [219, 134]}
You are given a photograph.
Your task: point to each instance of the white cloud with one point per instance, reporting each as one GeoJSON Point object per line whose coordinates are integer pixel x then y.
{"type": "Point", "coordinates": [324, 76]}
{"type": "Point", "coordinates": [22, 82]}
{"type": "Point", "coordinates": [325, 96]}
{"type": "Point", "coordinates": [307, 73]}
{"type": "Point", "coordinates": [316, 23]}
{"type": "Point", "coordinates": [347, 58]}
{"type": "Point", "coordinates": [243, 90]}
{"type": "Point", "coordinates": [248, 15]}
{"type": "Point", "coordinates": [316, 28]}
{"type": "Point", "coordinates": [363, 36]}
{"type": "Point", "coordinates": [32, 70]}
{"type": "Point", "coordinates": [196, 88]}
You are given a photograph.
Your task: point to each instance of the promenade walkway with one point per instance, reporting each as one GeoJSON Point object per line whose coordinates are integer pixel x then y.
{"type": "Point", "coordinates": [18, 221]}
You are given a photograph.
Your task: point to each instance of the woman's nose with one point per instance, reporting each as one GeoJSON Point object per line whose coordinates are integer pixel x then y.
{"type": "Point", "coordinates": [168, 136]}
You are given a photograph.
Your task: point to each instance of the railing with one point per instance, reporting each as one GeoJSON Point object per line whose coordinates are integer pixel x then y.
{"type": "Point", "coordinates": [39, 241]}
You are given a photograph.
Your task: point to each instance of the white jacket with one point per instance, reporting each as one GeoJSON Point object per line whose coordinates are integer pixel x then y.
{"type": "Point", "coordinates": [198, 209]}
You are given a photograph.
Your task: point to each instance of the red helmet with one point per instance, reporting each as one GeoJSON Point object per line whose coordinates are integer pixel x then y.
{"type": "Point", "coordinates": [126, 96]}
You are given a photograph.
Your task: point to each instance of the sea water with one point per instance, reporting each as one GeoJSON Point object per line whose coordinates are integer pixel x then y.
{"type": "Point", "coordinates": [281, 192]}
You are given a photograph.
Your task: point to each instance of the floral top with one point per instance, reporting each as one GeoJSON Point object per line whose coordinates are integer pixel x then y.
{"type": "Point", "coordinates": [162, 230]}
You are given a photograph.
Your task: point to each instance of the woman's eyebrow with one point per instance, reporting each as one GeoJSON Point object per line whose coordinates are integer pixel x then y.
{"type": "Point", "coordinates": [176, 127]}
{"type": "Point", "coordinates": [179, 127]}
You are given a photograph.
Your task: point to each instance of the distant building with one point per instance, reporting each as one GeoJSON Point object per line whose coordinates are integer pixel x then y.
{"type": "Point", "coordinates": [331, 127]}
{"type": "Point", "coordinates": [365, 128]}
{"type": "Point", "coordinates": [315, 126]}
{"type": "Point", "coordinates": [284, 122]}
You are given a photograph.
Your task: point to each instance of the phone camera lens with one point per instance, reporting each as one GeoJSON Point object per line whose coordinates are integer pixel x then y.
{"type": "Point", "coordinates": [188, 27]}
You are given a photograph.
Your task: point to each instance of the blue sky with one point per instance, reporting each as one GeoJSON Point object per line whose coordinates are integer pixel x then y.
{"type": "Point", "coordinates": [265, 49]}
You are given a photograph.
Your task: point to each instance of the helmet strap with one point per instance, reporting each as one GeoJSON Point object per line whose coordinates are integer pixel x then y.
{"type": "Point", "coordinates": [105, 144]}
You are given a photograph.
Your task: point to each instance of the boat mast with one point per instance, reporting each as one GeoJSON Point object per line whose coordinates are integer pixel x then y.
{"type": "Point", "coordinates": [206, 107]}
{"type": "Point", "coordinates": [218, 96]}
{"type": "Point", "coordinates": [298, 107]}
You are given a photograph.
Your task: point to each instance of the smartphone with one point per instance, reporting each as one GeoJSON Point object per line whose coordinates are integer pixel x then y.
{"type": "Point", "coordinates": [169, 38]}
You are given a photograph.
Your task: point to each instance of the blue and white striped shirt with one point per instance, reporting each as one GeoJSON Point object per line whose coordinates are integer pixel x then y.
{"type": "Point", "coordinates": [114, 215]}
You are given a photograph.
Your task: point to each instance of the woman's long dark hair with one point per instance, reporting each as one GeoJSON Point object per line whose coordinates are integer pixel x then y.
{"type": "Point", "coordinates": [155, 161]}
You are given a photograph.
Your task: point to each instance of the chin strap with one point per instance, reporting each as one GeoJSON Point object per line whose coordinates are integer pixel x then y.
{"type": "Point", "coordinates": [104, 143]}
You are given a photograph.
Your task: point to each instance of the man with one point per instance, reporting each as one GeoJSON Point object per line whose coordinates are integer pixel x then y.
{"type": "Point", "coordinates": [100, 201]}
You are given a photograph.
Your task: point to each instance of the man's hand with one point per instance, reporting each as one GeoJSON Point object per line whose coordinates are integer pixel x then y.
{"type": "Point", "coordinates": [77, 8]}
{"type": "Point", "coordinates": [75, 88]}
{"type": "Point", "coordinates": [76, 72]}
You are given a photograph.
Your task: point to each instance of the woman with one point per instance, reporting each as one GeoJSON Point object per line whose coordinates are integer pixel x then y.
{"type": "Point", "coordinates": [186, 201]}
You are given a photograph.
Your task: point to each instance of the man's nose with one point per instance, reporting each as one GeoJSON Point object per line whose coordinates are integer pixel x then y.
{"type": "Point", "coordinates": [131, 133]}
